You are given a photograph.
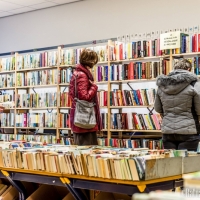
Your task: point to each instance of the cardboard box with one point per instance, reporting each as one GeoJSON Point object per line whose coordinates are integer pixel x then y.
{"type": "Point", "coordinates": [10, 194]}
{"type": "Point", "coordinates": [191, 164]}
{"type": "Point", "coordinates": [68, 197]}
{"type": "Point", "coordinates": [48, 192]}
{"type": "Point", "coordinates": [160, 168]}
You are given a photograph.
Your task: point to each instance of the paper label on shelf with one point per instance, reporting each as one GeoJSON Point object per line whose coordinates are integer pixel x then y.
{"type": "Point", "coordinates": [170, 40]}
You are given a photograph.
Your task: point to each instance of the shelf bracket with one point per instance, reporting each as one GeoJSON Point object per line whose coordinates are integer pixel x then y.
{"type": "Point", "coordinates": [150, 110]}
{"type": "Point", "coordinates": [36, 132]}
{"type": "Point", "coordinates": [14, 184]}
{"type": "Point", "coordinates": [49, 110]}
{"type": "Point", "coordinates": [130, 85]}
{"type": "Point", "coordinates": [64, 89]}
{"type": "Point", "coordinates": [34, 90]}
{"type": "Point", "coordinates": [132, 135]}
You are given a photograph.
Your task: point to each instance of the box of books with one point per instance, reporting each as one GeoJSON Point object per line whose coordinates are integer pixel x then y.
{"type": "Point", "coordinates": [191, 163]}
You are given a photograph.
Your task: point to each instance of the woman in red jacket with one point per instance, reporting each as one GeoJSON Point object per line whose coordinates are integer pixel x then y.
{"type": "Point", "coordinates": [86, 90]}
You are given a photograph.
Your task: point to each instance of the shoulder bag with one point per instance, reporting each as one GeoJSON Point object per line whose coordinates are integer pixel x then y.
{"type": "Point", "coordinates": [84, 116]}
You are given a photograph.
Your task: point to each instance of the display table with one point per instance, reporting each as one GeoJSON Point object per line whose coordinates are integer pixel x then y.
{"type": "Point", "coordinates": [76, 182]}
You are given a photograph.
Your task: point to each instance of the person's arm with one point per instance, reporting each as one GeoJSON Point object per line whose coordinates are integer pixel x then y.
{"type": "Point", "coordinates": [197, 98]}
{"type": "Point", "coordinates": [158, 104]}
{"type": "Point", "coordinates": [86, 90]}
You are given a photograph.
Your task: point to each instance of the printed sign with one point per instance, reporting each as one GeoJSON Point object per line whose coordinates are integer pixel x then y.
{"type": "Point", "coordinates": [170, 40]}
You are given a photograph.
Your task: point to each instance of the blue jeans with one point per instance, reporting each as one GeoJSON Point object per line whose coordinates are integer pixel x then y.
{"type": "Point", "coordinates": [180, 141]}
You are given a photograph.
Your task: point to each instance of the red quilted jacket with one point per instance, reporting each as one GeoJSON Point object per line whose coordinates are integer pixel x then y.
{"type": "Point", "coordinates": [86, 91]}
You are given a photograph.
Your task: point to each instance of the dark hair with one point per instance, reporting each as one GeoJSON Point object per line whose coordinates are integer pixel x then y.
{"type": "Point", "coordinates": [88, 58]}
{"type": "Point", "coordinates": [183, 64]}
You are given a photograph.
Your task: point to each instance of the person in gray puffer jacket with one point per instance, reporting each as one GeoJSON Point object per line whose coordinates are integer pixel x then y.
{"type": "Point", "coordinates": [178, 102]}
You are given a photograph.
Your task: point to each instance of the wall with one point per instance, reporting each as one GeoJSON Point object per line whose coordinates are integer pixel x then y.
{"type": "Point", "coordinates": [93, 19]}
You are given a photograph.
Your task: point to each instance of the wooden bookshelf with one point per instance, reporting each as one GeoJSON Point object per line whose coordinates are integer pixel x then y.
{"type": "Point", "coordinates": [138, 59]}
{"type": "Point", "coordinates": [7, 72]}
{"type": "Point", "coordinates": [52, 128]}
{"type": "Point", "coordinates": [42, 108]}
{"type": "Point", "coordinates": [7, 88]}
{"type": "Point", "coordinates": [36, 69]}
{"type": "Point", "coordinates": [36, 86]}
{"type": "Point", "coordinates": [59, 87]}
{"type": "Point", "coordinates": [118, 107]}
{"type": "Point", "coordinates": [132, 81]}
{"type": "Point", "coordinates": [64, 84]}
{"type": "Point", "coordinates": [131, 130]}
{"type": "Point", "coordinates": [64, 108]}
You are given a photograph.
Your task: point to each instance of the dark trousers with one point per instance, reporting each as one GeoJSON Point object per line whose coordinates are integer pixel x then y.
{"type": "Point", "coordinates": [89, 138]}
{"type": "Point", "coordinates": [180, 141]}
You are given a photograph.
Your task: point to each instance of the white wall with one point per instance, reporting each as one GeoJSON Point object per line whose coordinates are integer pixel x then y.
{"type": "Point", "coordinates": [92, 20]}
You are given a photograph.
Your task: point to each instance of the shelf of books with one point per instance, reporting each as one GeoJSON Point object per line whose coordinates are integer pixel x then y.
{"type": "Point", "coordinates": [34, 87]}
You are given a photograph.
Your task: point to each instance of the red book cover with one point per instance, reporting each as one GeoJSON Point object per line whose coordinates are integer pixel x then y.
{"type": "Point", "coordinates": [135, 121]}
{"type": "Point", "coordinates": [195, 42]}
{"type": "Point", "coordinates": [123, 98]}
{"type": "Point", "coordinates": [121, 51]}
{"type": "Point", "coordinates": [131, 71]}
{"type": "Point", "coordinates": [139, 97]}
{"type": "Point", "coordinates": [143, 71]}
{"type": "Point", "coordinates": [43, 59]}
{"type": "Point", "coordinates": [198, 43]}
{"type": "Point", "coordinates": [126, 120]}
{"type": "Point", "coordinates": [105, 98]}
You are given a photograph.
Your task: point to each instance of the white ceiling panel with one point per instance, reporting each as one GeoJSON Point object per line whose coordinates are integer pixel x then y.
{"type": "Point", "coordinates": [63, 1]}
{"type": "Point", "coordinates": [25, 2]}
{"type": "Point", "coordinates": [12, 7]}
{"type": "Point", "coordinates": [44, 5]}
{"type": "Point", "coordinates": [21, 10]}
{"type": "Point", "coordinates": [4, 14]}
{"type": "Point", "coordinates": [5, 6]}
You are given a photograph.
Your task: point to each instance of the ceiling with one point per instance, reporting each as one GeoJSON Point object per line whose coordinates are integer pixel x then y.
{"type": "Point", "coordinates": [13, 7]}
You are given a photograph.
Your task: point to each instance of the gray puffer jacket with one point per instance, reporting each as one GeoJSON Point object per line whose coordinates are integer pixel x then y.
{"type": "Point", "coordinates": [178, 94]}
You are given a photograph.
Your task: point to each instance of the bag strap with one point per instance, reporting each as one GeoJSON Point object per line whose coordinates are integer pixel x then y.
{"type": "Point", "coordinates": [75, 87]}
{"type": "Point", "coordinates": [76, 93]}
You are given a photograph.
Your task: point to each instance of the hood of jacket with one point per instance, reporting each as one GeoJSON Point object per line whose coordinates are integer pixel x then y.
{"type": "Point", "coordinates": [176, 81]}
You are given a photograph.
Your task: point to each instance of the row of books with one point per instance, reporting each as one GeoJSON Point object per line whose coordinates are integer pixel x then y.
{"type": "Point", "coordinates": [36, 120]}
{"type": "Point", "coordinates": [189, 43]}
{"type": "Point", "coordinates": [142, 97]}
{"type": "Point", "coordinates": [135, 121]}
{"type": "Point", "coordinates": [121, 50]}
{"type": "Point", "coordinates": [102, 97]}
{"type": "Point", "coordinates": [43, 139]}
{"type": "Point", "coordinates": [7, 97]}
{"type": "Point", "coordinates": [71, 56]}
{"type": "Point", "coordinates": [100, 73]}
{"type": "Point", "coordinates": [64, 120]}
{"type": "Point", "coordinates": [42, 77]}
{"type": "Point", "coordinates": [131, 143]}
{"type": "Point", "coordinates": [37, 100]}
{"type": "Point", "coordinates": [6, 137]}
{"type": "Point", "coordinates": [65, 100]}
{"type": "Point", "coordinates": [7, 119]}
{"type": "Point", "coordinates": [7, 80]}
{"type": "Point", "coordinates": [64, 75]}
{"type": "Point", "coordinates": [44, 59]}
{"type": "Point", "coordinates": [7, 64]}
{"type": "Point", "coordinates": [99, 162]}
{"type": "Point", "coordinates": [139, 70]}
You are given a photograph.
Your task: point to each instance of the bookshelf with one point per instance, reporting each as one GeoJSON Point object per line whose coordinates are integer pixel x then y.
{"type": "Point", "coordinates": [61, 87]}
